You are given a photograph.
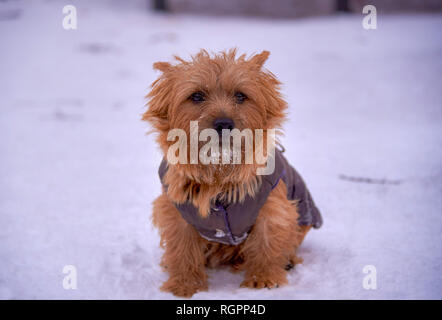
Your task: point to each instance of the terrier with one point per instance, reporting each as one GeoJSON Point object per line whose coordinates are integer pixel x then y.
{"type": "Point", "coordinates": [211, 212]}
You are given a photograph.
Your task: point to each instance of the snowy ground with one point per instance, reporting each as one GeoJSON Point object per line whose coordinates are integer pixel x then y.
{"type": "Point", "coordinates": [78, 173]}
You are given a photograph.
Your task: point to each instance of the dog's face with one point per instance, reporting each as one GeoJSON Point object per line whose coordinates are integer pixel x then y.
{"type": "Point", "coordinates": [220, 92]}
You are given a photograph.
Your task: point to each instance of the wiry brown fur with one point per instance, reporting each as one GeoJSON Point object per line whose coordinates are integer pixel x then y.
{"type": "Point", "coordinates": [272, 243]}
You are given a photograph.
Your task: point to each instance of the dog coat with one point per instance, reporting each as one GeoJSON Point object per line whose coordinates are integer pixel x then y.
{"type": "Point", "coordinates": [231, 223]}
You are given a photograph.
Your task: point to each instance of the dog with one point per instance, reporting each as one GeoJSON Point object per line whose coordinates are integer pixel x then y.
{"type": "Point", "coordinates": [216, 214]}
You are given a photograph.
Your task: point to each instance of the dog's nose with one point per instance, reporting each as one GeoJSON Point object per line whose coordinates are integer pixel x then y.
{"type": "Point", "coordinates": [223, 123]}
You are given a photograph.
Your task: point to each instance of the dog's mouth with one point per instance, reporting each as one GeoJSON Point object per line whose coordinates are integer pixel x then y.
{"type": "Point", "coordinates": [207, 146]}
{"type": "Point", "coordinates": [224, 156]}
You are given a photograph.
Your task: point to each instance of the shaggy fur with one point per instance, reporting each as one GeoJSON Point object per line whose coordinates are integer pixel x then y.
{"type": "Point", "coordinates": [270, 249]}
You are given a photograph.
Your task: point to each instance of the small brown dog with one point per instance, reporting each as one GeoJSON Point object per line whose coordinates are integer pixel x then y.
{"type": "Point", "coordinates": [217, 214]}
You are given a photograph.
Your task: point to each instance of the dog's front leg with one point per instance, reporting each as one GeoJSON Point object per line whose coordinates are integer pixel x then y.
{"type": "Point", "coordinates": [271, 240]}
{"type": "Point", "coordinates": [184, 256]}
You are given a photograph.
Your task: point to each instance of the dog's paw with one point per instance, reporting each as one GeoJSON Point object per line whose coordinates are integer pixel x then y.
{"type": "Point", "coordinates": [293, 260]}
{"type": "Point", "coordinates": [183, 288]}
{"type": "Point", "coordinates": [269, 282]}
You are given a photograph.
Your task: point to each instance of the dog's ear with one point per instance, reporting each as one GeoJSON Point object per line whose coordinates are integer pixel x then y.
{"type": "Point", "coordinates": [156, 113]}
{"type": "Point", "coordinates": [162, 66]}
{"type": "Point", "coordinates": [258, 60]}
{"type": "Point", "coordinates": [159, 98]}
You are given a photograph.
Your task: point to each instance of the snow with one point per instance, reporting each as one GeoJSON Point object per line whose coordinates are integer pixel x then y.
{"type": "Point", "coordinates": [78, 174]}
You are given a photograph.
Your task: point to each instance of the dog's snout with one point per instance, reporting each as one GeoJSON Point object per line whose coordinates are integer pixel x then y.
{"type": "Point", "coordinates": [223, 123]}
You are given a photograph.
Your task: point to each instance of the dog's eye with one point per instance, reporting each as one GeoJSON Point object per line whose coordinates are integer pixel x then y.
{"type": "Point", "coordinates": [240, 97]}
{"type": "Point", "coordinates": [197, 97]}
